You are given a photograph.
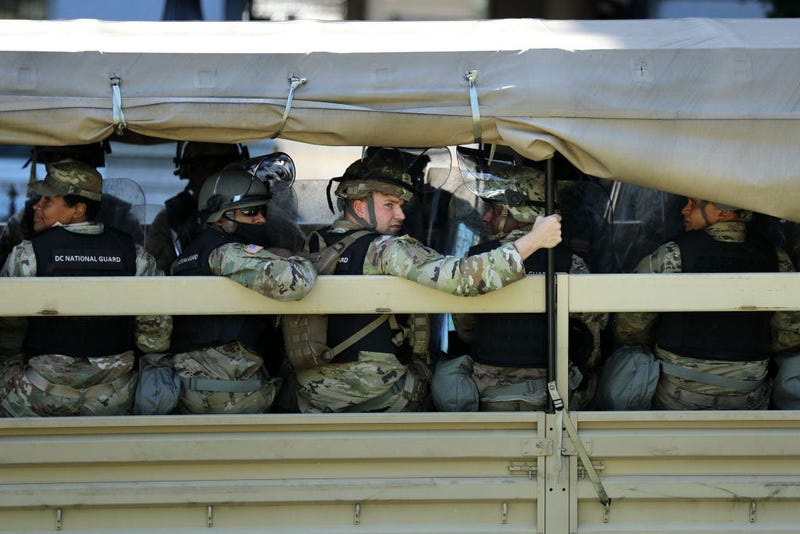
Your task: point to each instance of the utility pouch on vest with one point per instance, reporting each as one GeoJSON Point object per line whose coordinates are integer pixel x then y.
{"type": "Point", "coordinates": [418, 335]}
{"type": "Point", "coordinates": [306, 336]}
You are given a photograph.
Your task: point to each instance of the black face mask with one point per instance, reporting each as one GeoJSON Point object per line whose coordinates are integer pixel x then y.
{"type": "Point", "coordinates": [253, 234]}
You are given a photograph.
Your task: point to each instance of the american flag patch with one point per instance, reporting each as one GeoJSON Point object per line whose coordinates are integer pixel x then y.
{"type": "Point", "coordinates": [252, 249]}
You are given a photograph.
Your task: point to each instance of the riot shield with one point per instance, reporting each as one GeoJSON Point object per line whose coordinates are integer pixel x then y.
{"type": "Point", "coordinates": [123, 207]}
{"type": "Point", "coordinates": [641, 220]}
{"type": "Point", "coordinates": [278, 171]}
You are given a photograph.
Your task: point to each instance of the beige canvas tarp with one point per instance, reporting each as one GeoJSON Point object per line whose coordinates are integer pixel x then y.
{"type": "Point", "coordinates": [700, 107]}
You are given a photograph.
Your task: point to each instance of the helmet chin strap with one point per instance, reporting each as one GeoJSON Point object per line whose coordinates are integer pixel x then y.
{"type": "Point", "coordinates": [703, 205]}
{"type": "Point", "coordinates": [371, 224]}
{"type": "Point", "coordinates": [501, 225]}
{"type": "Point", "coordinates": [228, 226]}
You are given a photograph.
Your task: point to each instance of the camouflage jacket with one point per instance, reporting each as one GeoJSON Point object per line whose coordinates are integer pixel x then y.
{"type": "Point", "coordinates": [152, 332]}
{"type": "Point", "coordinates": [259, 269]}
{"type": "Point", "coordinates": [595, 322]}
{"type": "Point", "coordinates": [405, 257]}
{"type": "Point", "coordinates": [637, 328]}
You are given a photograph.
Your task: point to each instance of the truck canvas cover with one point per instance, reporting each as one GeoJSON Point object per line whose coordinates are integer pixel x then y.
{"type": "Point", "coordinates": [698, 107]}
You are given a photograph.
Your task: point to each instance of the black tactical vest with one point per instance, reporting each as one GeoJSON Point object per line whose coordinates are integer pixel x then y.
{"type": "Point", "coordinates": [516, 339]}
{"type": "Point", "coordinates": [191, 332]}
{"type": "Point", "coordinates": [60, 252]}
{"type": "Point", "coordinates": [737, 336]}
{"type": "Point", "coordinates": [340, 327]}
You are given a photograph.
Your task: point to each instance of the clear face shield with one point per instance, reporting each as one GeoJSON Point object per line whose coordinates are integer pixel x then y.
{"type": "Point", "coordinates": [276, 169]}
{"type": "Point", "coordinates": [487, 180]}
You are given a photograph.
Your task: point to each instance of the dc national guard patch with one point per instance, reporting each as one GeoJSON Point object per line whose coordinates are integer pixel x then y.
{"type": "Point", "coordinates": [253, 249]}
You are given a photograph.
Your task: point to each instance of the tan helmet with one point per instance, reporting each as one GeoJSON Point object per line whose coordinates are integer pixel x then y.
{"type": "Point", "coordinates": [525, 200]}
{"type": "Point", "coordinates": [519, 187]}
{"type": "Point", "coordinates": [382, 172]}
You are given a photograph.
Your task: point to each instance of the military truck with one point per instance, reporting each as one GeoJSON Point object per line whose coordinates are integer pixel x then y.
{"type": "Point", "coordinates": [695, 107]}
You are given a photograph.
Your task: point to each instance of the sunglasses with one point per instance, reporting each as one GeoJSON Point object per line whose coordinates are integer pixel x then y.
{"type": "Point", "coordinates": [252, 211]}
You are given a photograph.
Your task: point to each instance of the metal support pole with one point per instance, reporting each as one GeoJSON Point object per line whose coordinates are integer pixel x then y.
{"type": "Point", "coordinates": [550, 279]}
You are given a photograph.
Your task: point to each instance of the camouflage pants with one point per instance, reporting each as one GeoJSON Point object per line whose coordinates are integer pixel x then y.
{"type": "Point", "coordinates": [377, 382]}
{"type": "Point", "coordinates": [58, 385]}
{"type": "Point", "coordinates": [225, 379]}
{"type": "Point", "coordinates": [752, 391]}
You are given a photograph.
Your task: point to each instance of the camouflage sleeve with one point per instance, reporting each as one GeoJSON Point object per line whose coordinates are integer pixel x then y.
{"type": "Point", "coordinates": [146, 263]}
{"type": "Point", "coordinates": [596, 321]}
{"type": "Point", "coordinates": [153, 332]}
{"type": "Point", "coordinates": [637, 328]}
{"type": "Point", "coordinates": [21, 261]}
{"type": "Point", "coordinates": [665, 259]}
{"type": "Point", "coordinates": [785, 325]}
{"type": "Point", "coordinates": [271, 275]}
{"type": "Point", "coordinates": [475, 275]}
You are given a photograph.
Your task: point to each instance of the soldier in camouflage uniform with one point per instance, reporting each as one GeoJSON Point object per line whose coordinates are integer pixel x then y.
{"type": "Point", "coordinates": [509, 351]}
{"type": "Point", "coordinates": [77, 365]}
{"type": "Point", "coordinates": [176, 226]}
{"type": "Point", "coordinates": [716, 360]}
{"type": "Point", "coordinates": [19, 226]}
{"type": "Point", "coordinates": [221, 359]}
{"type": "Point", "coordinates": [376, 373]}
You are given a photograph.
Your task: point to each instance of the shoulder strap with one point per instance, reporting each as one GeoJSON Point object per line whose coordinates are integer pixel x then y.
{"type": "Point", "coordinates": [358, 336]}
{"type": "Point", "coordinates": [326, 257]}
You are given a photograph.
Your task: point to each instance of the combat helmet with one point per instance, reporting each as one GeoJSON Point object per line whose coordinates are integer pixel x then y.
{"type": "Point", "coordinates": [191, 155]}
{"type": "Point", "coordinates": [742, 214]}
{"type": "Point", "coordinates": [518, 187]}
{"type": "Point", "coordinates": [234, 187]}
{"type": "Point", "coordinates": [382, 171]}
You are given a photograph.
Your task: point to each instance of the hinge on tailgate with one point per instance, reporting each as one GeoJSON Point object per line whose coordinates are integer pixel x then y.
{"type": "Point", "coordinates": [59, 514]}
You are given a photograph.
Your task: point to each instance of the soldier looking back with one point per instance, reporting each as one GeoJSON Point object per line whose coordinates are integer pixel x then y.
{"type": "Point", "coordinates": [376, 373]}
